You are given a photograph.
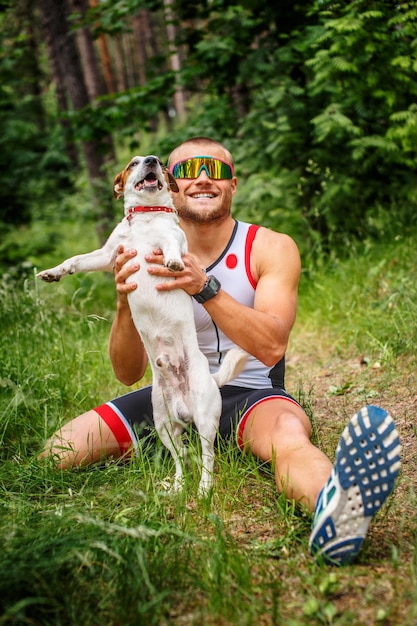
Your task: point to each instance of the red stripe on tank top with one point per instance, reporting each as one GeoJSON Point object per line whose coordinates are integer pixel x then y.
{"type": "Point", "coordinates": [253, 229]}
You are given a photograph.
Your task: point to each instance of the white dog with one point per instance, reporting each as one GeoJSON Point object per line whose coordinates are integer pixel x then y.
{"type": "Point", "coordinates": [183, 389]}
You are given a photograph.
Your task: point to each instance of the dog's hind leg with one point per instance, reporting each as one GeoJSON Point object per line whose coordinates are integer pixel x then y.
{"type": "Point", "coordinates": [206, 419]}
{"type": "Point", "coordinates": [169, 430]}
{"type": "Point", "coordinates": [207, 457]}
{"type": "Point", "coordinates": [170, 435]}
{"type": "Point", "coordinates": [171, 366]}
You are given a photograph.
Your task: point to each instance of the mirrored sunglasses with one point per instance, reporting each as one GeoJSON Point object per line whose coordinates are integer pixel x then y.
{"type": "Point", "coordinates": [192, 168]}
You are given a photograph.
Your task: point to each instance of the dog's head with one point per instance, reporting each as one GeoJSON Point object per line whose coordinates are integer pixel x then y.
{"type": "Point", "coordinates": [143, 175]}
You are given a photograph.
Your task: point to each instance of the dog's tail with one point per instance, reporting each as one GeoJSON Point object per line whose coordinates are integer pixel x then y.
{"type": "Point", "coordinates": [233, 364]}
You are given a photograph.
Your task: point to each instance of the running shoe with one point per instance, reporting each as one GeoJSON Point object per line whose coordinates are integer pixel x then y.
{"type": "Point", "coordinates": [366, 467]}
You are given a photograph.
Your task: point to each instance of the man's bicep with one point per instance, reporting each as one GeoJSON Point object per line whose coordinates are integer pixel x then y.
{"type": "Point", "coordinates": [277, 298]}
{"type": "Point", "coordinates": [277, 289]}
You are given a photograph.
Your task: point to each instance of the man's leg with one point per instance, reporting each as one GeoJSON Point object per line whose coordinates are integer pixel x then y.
{"type": "Point", "coordinates": [278, 430]}
{"type": "Point", "coordinates": [110, 430]}
{"type": "Point", "coordinates": [366, 467]}
{"type": "Point", "coordinates": [84, 440]}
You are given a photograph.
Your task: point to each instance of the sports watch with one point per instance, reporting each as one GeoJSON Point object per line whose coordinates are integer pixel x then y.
{"type": "Point", "coordinates": [210, 289]}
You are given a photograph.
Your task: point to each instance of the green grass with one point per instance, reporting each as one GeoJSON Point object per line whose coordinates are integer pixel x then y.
{"type": "Point", "coordinates": [108, 545]}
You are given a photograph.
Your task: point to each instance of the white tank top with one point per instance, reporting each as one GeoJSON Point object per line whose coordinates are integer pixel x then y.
{"type": "Point", "coordinates": [233, 270]}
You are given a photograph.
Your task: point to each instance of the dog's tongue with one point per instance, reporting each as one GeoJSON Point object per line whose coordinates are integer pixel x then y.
{"type": "Point", "coordinates": [149, 181]}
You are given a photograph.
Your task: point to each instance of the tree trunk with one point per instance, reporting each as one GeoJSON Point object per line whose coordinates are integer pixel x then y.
{"type": "Point", "coordinates": [128, 46]}
{"type": "Point", "coordinates": [55, 22]}
{"type": "Point", "coordinates": [61, 98]}
{"type": "Point", "coordinates": [93, 76]}
{"type": "Point", "coordinates": [175, 60]}
{"type": "Point", "coordinates": [105, 57]}
{"type": "Point", "coordinates": [120, 63]}
{"type": "Point", "coordinates": [92, 72]}
{"type": "Point", "coordinates": [140, 47]}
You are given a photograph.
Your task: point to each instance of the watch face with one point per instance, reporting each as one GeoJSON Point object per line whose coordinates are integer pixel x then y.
{"type": "Point", "coordinates": [210, 290]}
{"type": "Point", "coordinates": [213, 284]}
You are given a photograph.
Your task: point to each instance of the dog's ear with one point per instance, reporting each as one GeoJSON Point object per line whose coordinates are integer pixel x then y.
{"type": "Point", "coordinates": [171, 182]}
{"type": "Point", "coordinates": [118, 186]}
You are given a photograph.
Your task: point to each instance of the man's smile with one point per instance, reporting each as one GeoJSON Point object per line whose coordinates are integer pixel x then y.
{"type": "Point", "coordinates": [200, 194]}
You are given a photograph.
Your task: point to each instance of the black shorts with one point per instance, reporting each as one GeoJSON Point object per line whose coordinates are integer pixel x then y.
{"type": "Point", "coordinates": [130, 416]}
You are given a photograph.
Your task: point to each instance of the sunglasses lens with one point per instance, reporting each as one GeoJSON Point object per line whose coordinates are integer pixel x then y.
{"type": "Point", "coordinates": [192, 168]}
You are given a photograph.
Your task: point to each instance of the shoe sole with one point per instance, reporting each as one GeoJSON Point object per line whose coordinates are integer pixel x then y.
{"type": "Point", "coordinates": [366, 467]}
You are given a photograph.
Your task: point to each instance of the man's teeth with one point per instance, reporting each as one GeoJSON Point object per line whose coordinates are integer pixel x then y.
{"type": "Point", "coordinates": [203, 195]}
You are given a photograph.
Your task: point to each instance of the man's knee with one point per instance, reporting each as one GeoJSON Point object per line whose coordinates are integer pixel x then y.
{"type": "Point", "coordinates": [276, 427]}
{"type": "Point", "coordinates": [85, 440]}
{"type": "Point", "coordinates": [61, 453]}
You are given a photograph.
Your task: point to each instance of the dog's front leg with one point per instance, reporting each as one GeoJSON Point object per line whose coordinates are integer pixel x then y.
{"type": "Point", "coordinates": [173, 247]}
{"type": "Point", "coordinates": [91, 262]}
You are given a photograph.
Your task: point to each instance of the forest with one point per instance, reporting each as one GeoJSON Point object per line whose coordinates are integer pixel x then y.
{"type": "Point", "coordinates": [316, 99]}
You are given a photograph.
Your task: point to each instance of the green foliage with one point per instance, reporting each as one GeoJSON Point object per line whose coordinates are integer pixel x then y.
{"type": "Point", "coordinates": [363, 67]}
{"type": "Point", "coordinates": [327, 143]}
{"type": "Point", "coordinates": [32, 162]}
{"type": "Point", "coordinates": [222, 47]}
{"type": "Point", "coordinates": [316, 100]}
{"type": "Point", "coordinates": [128, 113]}
{"type": "Point", "coordinates": [109, 16]}
{"type": "Point", "coordinates": [379, 278]}
{"type": "Point", "coordinates": [40, 381]}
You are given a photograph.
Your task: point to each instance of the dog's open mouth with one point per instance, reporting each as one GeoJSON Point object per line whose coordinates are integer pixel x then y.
{"type": "Point", "coordinates": [150, 183]}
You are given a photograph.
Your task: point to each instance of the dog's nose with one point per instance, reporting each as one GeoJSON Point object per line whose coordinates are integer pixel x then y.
{"type": "Point", "coordinates": [151, 161]}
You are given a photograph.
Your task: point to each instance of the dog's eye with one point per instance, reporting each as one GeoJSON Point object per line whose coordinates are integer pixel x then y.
{"type": "Point", "coordinates": [133, 163]}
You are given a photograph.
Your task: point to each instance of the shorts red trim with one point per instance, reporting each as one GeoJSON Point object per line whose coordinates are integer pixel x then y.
{"type": "Point", "coordinates": [117, 427]}
{"type": "Point", "coordinates": [242, 423]}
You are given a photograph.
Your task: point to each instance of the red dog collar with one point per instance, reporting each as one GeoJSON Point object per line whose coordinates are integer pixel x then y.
{"type": "Point", "coordinates": [148, 209]}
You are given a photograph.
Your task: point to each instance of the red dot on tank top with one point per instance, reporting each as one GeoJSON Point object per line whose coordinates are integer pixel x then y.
{"type": "Point", "coordinates": [231, 261]}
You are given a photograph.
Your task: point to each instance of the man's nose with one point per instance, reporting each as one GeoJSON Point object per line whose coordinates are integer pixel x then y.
{"type": "Point", "coordinates": [203, 175]}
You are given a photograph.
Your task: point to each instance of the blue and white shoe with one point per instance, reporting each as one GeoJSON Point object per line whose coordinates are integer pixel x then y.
{"type": "Point", "coordinates": [366, 467]}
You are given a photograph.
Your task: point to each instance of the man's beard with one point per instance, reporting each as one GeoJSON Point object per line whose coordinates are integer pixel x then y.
{"type": "Point", "coordinates": [205, 216]}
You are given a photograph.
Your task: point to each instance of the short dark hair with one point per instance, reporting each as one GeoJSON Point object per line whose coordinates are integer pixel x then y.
{"type": "Point", "coordinates": [201, 140]}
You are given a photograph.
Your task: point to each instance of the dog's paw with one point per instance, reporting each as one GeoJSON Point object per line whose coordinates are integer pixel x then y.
{"type": "Point", "coordinates": [49, 276]}
{"type": "Point", "coordinates": [175, 265]}
{"type": "Point", "coordinates": [205, 488]}
{"type": "Point", "coordinates": [54, 274]}
{"type": "Point", "coordinates": [176, 488]}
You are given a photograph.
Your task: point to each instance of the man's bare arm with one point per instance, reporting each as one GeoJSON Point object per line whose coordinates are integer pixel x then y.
{"type": "Point", "coordinates": [126, 350]}
{"type": "Point", "coordinates": [264, 330]}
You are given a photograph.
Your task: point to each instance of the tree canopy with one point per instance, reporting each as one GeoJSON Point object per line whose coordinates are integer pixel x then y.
{"type": "Point", "coordinates": [316, 100]}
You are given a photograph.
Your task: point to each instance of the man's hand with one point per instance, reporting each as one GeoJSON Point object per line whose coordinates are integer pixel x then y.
{"type": "Point", "coordinates": [192, 278]}
{"type": "Point", "coordinates": [123, 271]}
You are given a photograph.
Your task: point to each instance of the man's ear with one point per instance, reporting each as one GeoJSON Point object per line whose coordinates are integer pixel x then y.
{"type": "Point", "coordinates": [172, 183]}
{"type": "Point", "coordinates": [118, 186]}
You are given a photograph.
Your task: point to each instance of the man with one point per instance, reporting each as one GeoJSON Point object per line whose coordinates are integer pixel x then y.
{"type": "Point", "coordinates": [250, 302]}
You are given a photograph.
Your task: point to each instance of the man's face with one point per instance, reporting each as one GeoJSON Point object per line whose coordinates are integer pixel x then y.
{"type": "Point", "coordinates": [203, 199]}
